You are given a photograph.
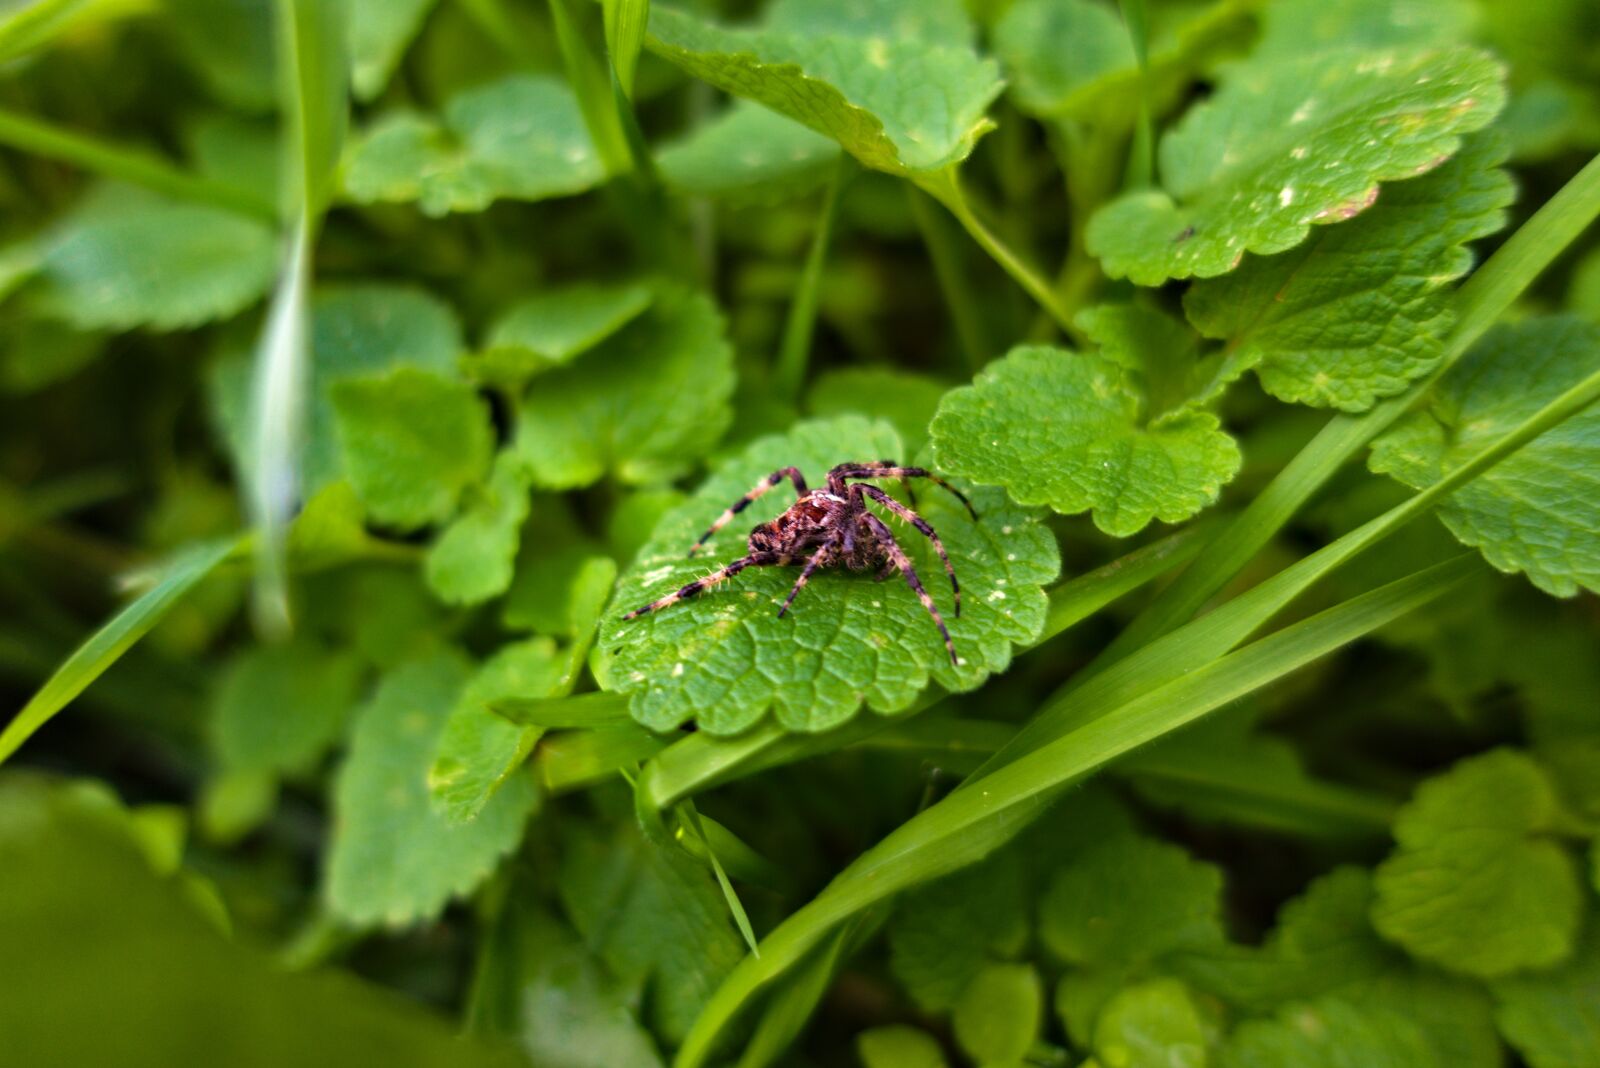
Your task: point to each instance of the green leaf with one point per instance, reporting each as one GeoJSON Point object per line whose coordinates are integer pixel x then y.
{"type": "Point", "coordinates": [1155, 1024]}
{"type": "Point", "coordinates": [519, 138]}
{"type": "Point", "coordinates": [1456, 1017]}
{"type": "Point", "coordinates": [748, 154]}
{"type": "Point", "coordinates": [552, 327]}
{"type": "Point", "coordinates": [1053, 49]}
{"type": "Point", "coordinates": [1080, 432]}
{"type": "Point", "coordinates": [89, 923]}
{"type": "Point", "coordinates": [906, 400]}
{"type": "Point", "coordinates": [1291, 28]}
{"type": "Point", "coordinates": [897, 102]}
{"type": "Point", "coordinates": [899, 1046]}
{"type": "Point", "coordinates": [479, 751]}
{"type": "Point", "coordinates": [230, 46]}
{"type": "Point", "coordinates": [997, 1016]}
{"type": "Point", "coordinates": [1130, 899]}
{"type": "Point", "coordinates": [640, 406]}
{"type": "Point", "coordinates": [943, 935]}
{"type": "Point", "coordinates": [379, 32]}
{"type": "Point", "coordinates": [1359, 311]}
{"type": "Point", "coordinates": [1552, 1017]}
{"type": "Point", "coordinates": [473, 559]}
{"type": "Point", "coordinates": [1534, 512]}
{"type": "Point", "coordinates": [536, 982]}
{"type": "Point", "coordinates": [280, 708]}
{"type": "Point", "coordinates": [124, 258]}
{"type": "Point", "coordinates": [655, 917]}
{"type": "Point", "coordinates": [35, 353]}
{"type": "Point", "coordinates": [106, 646]}
{"type": "Point", "coordinates": [1288, 145]}
{"type": "Point", "coordinates": [1323, 942]}
{"type": "Point", "coordinates": [412, 441]}
{"type": "Point", "coordinates": [725, 658]}
{"type": "Point", "coordinates": [1329, 1033]}
{"type": "Point", "coordinates": [393, 859]}
{"type": "Point", "coordinates": [1471, 886]}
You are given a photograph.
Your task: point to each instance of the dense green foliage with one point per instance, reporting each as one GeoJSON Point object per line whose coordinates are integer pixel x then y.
{"type": "Point", "coordinates": [364, 363]}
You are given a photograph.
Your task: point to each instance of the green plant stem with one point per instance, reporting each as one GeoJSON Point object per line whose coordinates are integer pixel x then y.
{"type": "Point", "coordinates": [969, 824]}
{"type": "Point", "coordinates": [795, 352]}
{"type": "Point", "coordinates": [1479, 303]}
{"type": "Point", "coordinates": [128, 164]}
{"type": "Point", "coordinates": [591, 83]}
{"type": "Point", "coordinates": [945, 187]}
{"type": "Point", "coordinates": [1141, 156]}
{"type": "Point", "coordinates": [952, 286]}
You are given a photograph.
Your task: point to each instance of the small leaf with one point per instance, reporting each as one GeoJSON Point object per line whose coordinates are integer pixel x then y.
{"type": "Point", "coordinates": [412, 441]}
{"type": "Point", "coordinates": [899, 1046]}
{"type": "Point", "coordinates": [1329, 1033]}
{"type": "Point", "coordinates": [479, 751]}
{"type": "Point", "coordinates": [641, 405]}
{"type": "Point", "coordinates": [520, 138]}
{"type": "Point", "coordinates": [944, 934]}
{"type": "Point", "coordinates": [1360, 311]}
{"type": "Point", "coordinates": [1534, 511]}
{"type": "Point", "coordinates": [748, 154]}
{"type": "Point", "coordinates": [1155, 1024]}
{"type": "Point", "coordinates": [379, 32]}
{"type": "Point", "coordinates": [896, 102]}
{"type": "Point", "coordinates": [552, 327]}
{"type": "Point", "coordinates": [655, 917]}
{"type": "Point", "coordinates": [1130, 899]}
{"type": "Point", "coordinates": [1077, 431]}
{"type": "Point", "coordinates": [725, 658]}
{"type": "Point", "coordinates": [124, 257]}
{"type": "Point", "coordinates": [1552, 1017]}
{"type": "Point", "coordinates": [997, 1016]}
{"type": "Point", "coordinates": [1471, 887]}
{"type": "Point", "coordinates": [280, 708]}
{"type": "Point", "coordinates": [473, 559]}
{"type": "Point", "coordinates": [1284, 146]}
{"type": "Point", "coordinates": [392, 858]}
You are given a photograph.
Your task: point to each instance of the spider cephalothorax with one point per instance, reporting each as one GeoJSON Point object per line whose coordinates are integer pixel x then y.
{"type": "Point", "coordinates": [831, 528]}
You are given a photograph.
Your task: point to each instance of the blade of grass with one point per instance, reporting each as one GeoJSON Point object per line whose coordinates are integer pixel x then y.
{"type": "Point", "coordinates": [795, 351]}
{"type": "Point", "coordinates": [1141, 156]}
{"type": "Point", "coordinates": [38, 24]}
{"type": "Point", "coordinates": [572, 760]}
{"type": "Point", "coordinates": [590, 83]}
{"type": "Point", "coordinates": [968, 824]}
{"type": "Point", "coordinates": [106, 645]}
{"type": "Point", "coordinates": [625, 21]}
{"type": "Point", "coordinates": [699, 762]}
{"type": "Point", "coordinates": [1481, 300]}
{"type": "Point", "coordinates": [133, 165]}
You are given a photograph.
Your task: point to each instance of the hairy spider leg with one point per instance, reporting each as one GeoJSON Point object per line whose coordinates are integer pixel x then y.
{"type": "Point", "coordinates": [898, 556]}
{"type": "Point", "coordinates": [791, 473]}
{"type": "Point", "coordinates": [753, 560]}
{"type": "Point", "coordinates": [905, 484]}
{"type": "Point", "coordinates": [922, 528]}
{"type": "Point", "coordinates": [816, 561]}
{"type": "Point", "coordinates": [836, 478]}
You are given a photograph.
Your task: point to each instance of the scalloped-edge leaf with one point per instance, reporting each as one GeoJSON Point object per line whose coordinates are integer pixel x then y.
{"type": "Point", "coordinates": [724, 659]}
{"type": "Point", "coordinates": [1538, 510]}
{"type": "Point", "coordinates": [1289, 145]}
{"type": "Point", "coordinates": [1359, 311]}
{"type": "Point", "coordinates": [554, 327]}
{"type": "Point", "coordinates": [896, 103]}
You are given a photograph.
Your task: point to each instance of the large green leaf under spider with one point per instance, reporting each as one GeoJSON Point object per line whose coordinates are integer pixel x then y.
{"type": "Point", "coordinates": [723, 658]}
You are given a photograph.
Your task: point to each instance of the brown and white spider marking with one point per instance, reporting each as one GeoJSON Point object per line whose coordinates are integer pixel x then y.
{"type": "Point", "coordinates": [834, 526]}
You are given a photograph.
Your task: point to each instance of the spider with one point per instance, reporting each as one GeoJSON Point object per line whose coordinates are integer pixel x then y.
{"type": "Point", "coordinates": [836, 527]}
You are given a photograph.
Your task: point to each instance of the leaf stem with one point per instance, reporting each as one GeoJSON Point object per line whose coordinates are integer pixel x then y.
{"type": "Point", "coordinates": [945, 187]}
{"type": "Point", "coordinates": [129, 164]}
{"type": "Point", "coordinates": [795, 352]}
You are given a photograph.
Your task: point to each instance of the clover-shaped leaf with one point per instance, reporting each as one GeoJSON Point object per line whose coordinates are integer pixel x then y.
{"type": "Point", "coordinates": [552, 327]}
{"type": "Point", "coordinates": [640, 405]}
{"type": "Point", "coordinates": [520, 138]}
{"type": "Point", "coordinates": [1472, 886]}
{"type": "Point", "coordinates": [124, 257]}
{"type": "Point", "coordinates": [393, 858]}
{"type": "Point", "coordinates": [1122, 431]}
{"type": "Point", "coordinates": [1535, 511]}
{"type": "Point", "coordinates": [1359, 311]}
{"type": "Point", "coordinates": [906, 98]}
{"type": "Point", "coordinates": [1284, 146]}
{"type": "Point", "coordinates": [724, 658]}
{"type": "Point", "coordinates": [748, 154]}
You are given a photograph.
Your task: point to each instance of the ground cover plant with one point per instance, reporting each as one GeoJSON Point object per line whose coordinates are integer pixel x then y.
{"type": "Point", "coordinates": [366, 366]}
